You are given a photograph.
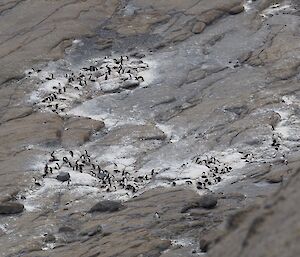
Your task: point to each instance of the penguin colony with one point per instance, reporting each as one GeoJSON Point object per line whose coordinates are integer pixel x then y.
{"type": "Point", "coordinates": [108, 178]}
{"type": "Point", "coordinates": [117, 177]}
{"type": "Point", "coordinates": [107, 75]}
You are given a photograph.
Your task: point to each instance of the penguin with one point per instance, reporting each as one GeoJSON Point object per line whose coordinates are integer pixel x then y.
{"type": "Point", "coordinates": [156, 216]}
{"type": "Point", "coordinates": [36, 182]}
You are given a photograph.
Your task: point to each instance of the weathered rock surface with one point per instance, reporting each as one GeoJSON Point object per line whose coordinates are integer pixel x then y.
{"type": "Point", "coordinates": [206, 90]}
{"type": "Point", "coordinates": [78, 130]}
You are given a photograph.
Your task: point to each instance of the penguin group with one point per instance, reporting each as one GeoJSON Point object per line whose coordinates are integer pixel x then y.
{"type": "Point", "coordinates": [215, 170]}
{"type": "Point", "coordinates": [106, 75]}
{"type": "Point", "coordinates": [210, 171]}
{"type": "Point", "coordinates": [109, 178]}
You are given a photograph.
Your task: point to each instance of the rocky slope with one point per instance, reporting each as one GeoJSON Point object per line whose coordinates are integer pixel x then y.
{"type": "Point", "coordinates": [149, 128]}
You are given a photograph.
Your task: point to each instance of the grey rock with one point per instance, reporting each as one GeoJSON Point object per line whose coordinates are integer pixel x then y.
{"type": "Point", "coordinates": [63, 176]}
{"type": "Point", "coordinates": [204, 244]}
{"type": "Point", "coordinates": [198, 27]}
{"type": "Point", "coordinates": [49, 238]}
{"type": "Point", "coordinates": [92, 231]}
{"type": "Point", "coordinates": [131, 84]}
{"type": "Point", "coordinates": [106, 206]}
{"type": "Point", "coordinates": [11, 208]}
{"type": "Point", "coordinates": [207, 201]}
{"type": "Point", "coordinates": [66, 229]}
{"type": "Point", "coordinates": [138, 55]}
{"type": "Point", "coordinates": [274, 178]}
{"type": "Point", "coordinates": [236, 10]}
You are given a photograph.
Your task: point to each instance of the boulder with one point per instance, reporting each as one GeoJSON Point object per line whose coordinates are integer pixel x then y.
{"type": "Point", "coordinates": [138, 55]}
{"type": "Point", "coordinates": [92, 231]}
{"type": "Point", "coordinates": [49, 238]}
{"type": "Point", "coordinates": [236, 10]}
{"type": "Point", "coordinates": [208, 201]}
{"type": "Point", "coordinates": [274, 178]}
{"type": "Point", "coordinates": [204, 244]}
{"type": "Point", "coordinates": [130, 84]}
{"type": "Point", "coordinates": [106, 206]}
{"type": "Point", "coordinates": [63, 176]}
{"type": "Point", "coordinates": [66, 229]}
{"type": "Point", "coordinates": [11, 208]}
{"type": "Point", "coordinates": [198, 27]}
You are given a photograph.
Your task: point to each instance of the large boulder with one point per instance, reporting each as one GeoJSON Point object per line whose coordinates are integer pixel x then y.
{"type": "Point", "coordinates": [11, 208]}
{"type": "Point", "coordinates": [107, 206]}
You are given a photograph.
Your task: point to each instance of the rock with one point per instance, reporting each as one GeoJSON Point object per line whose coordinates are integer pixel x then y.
{"type": "Point", "coordinates": [236, 10]}
{"type": "Point", "coordinates": [37, 128]}
{"type": "Point", "coordinates": [106, 206]}
{"type": "Point", "coordinates": [2, 232]}
{"type": "Point", "coordinates": [49, 238]}
{"type": "Point", "coordinates": [63, 176]}
{"type": "Point", "coordinates": [11, 208]}
{"type": "Point", "coordinates": [274, 119]}
{"type": "Point", "coordinates": [92, 231]}
{"type": "Point", "coordinates": [188, 206]}
{"type": "Point", "coordinates": [138, 55]}
{"type": "Point", "coordinates": [210, 239]}
{"type": "Point", "coordinates": [204, 244]}
{"type": "Point", "coordinates": [78, 130]}
{"type": "Point", "coordinates": [130, 84]}
{"type": "Point", "coordinates": [210, 16]}
{"type": "Point", "coordinates": [66, 229]}
{"type": "Point", "coordinates": [274, 178]}
{"type": "Point", "coordinates": [198, 27]}
{"type": "Point", "coordinates": [236, 218]}
{"type": "Point", "coordinates": [208, 201]}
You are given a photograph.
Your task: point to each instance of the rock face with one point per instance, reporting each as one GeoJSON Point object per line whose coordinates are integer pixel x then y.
{"type": "Point", "coordinates": [277, 213]}
{"type": "Point", "coordinates": [107, 206]}
{"type": "Point", "coordinates": [206, 92]}
{"type": "Point", "coordinates": [11, 208]}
